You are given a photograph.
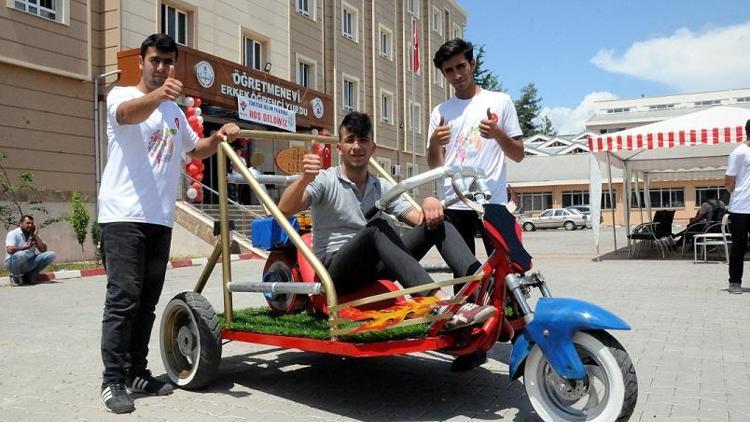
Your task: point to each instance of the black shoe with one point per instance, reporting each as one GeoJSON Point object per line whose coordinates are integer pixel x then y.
{"type": "Point", "coordinates": [145, 383]}
{"type": "Point", "coordinates": [16, 280]}
{"type": "Point", "coordinates": [735, 288]}
{"type": "Point", "coordinates": [116, 399]}
{"type": "Point", "coordinates": [468, 362]}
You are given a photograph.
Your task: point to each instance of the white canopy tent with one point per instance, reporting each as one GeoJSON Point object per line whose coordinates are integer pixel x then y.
{"type": "Point", "coordinates": [693, 146]}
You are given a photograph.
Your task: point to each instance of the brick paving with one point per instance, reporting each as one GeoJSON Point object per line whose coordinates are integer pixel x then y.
{"type": "Point", "coordinates": [690, 345]}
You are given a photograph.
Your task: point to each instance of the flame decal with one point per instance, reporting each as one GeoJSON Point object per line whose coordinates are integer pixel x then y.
{"type": "Point", "coordinates": [381, 319]}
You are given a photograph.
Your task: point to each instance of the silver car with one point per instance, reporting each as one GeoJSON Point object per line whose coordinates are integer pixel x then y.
{"type": "Point", "coordinates": [554, 218]}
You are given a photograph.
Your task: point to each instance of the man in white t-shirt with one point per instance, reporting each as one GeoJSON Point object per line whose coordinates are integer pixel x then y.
{"type": "Point", "coordinates": [737, 181]}
{"type": "Point", "coordinates": [474, 128]}
{"type": "Point", "coordinates": [26, 254]}
{"type": "Point", "coordinates": [149, 138]}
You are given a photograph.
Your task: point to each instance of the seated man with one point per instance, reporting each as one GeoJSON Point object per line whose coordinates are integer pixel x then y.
{"type": "Point", "coordinates": [357, 252]}
{"type": "Point", "coordinates": [711, 210]}
{"type": "Point", "coordinates": [26, 254]}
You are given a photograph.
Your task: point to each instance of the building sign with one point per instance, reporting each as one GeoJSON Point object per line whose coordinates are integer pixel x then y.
{"type": "Point", "coordinates": [265, 113]}
{"type": "Point", "coordinates": [220, 82]}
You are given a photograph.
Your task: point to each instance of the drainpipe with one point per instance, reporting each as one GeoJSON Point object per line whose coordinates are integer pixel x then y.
{"type": "Point", "coordinates": [97, 132]}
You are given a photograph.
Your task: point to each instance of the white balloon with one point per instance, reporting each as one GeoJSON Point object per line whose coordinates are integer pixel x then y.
{"type": "Point", "coordinates": [192, 193]}
{"type": "Point", "coordinates": [314, 131]}
{"type": "Point", "coordinates": [198, 111]}
{"type": "Point", "coordinates": [200, 119]}
{"type": "Point", "coordinates": [189, 101]}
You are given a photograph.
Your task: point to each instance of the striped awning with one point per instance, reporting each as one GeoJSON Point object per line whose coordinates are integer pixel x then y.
{"type": "Point", "coordinates": [717, 125]}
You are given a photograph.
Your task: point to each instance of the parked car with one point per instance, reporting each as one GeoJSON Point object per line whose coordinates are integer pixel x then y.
{"type": "Point", "coordinates": [583, 209]}
{"type": "Point", "coordinates": [554, 218]}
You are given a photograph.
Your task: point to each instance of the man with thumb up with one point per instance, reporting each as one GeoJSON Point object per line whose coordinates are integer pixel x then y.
{"type": "Point", "coordinates": [148, 137]}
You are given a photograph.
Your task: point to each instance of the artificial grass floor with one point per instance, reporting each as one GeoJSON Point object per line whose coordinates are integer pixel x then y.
{"type": "Point", "coordinates": [263, 320]}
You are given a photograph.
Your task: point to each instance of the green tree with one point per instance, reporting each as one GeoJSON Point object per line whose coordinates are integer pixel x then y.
{"type": "Point", "coordinates": [546, 128]}
{"type": "Point", "coordinates": [527, 108]}
{"type": "Point", "coordinates": [96, 237]}
{"type": "Point", "coordinates": [79, 217]}
{"type": "Point", "coordinates": [21, 196]}
{"type": "Point", "coordinates": [484, 77]}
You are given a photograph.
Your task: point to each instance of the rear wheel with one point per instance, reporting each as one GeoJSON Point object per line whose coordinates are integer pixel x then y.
{"type": "Point", "coordinates": [528, 227]}
{"type": "Point", "coordinates": [607, 393]}
{"type": "Point", "coordinates": [190, 341]}
{"type": "Point", "coordinates": [569, 225]}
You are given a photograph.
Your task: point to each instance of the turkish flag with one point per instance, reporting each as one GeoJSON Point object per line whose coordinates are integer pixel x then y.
{"type": "Point", "coordinates": [415, 47]}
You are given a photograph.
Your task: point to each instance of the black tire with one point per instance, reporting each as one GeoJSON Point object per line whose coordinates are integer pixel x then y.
{"type": "Point", "coordinates": [190, 341]}
{"type": "Point", "coordinates": [528, 227]}
{"type": "Point", "coordinates": [610, 373]}
{"type": "Point", "coordinates": [279, 270]}
{"type": "Point", "coordinates": [569, 226]}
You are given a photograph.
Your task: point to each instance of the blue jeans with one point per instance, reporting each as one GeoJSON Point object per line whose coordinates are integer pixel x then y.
{"type": "Point", "coordinates": [28, 264]}
{"type": "Point", "coordinates": [135, 256]}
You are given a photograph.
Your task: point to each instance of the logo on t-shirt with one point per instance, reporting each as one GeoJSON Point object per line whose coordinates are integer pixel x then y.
{"type": "Point", "coordinates": [468, 144]}
{"type": "Point", "coordinates": [161, 144]}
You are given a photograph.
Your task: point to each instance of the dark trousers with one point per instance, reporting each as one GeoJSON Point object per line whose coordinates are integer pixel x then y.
{"type": "Point", "coordinates": [378, 252]}
{"type": "Point", "coordinates": [739, 224]}
{"type": "Point", "coordinates": [135, 256]}
{"type": "Point", "coordinates": [468, 224]}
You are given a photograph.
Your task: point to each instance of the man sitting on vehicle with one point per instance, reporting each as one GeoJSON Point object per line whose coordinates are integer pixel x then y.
{"type": "Point", "coordinates": [357, 252]}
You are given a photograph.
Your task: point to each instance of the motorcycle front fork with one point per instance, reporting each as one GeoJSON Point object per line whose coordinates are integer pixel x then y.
{"type": "Point", "coordinates": [520, 287]}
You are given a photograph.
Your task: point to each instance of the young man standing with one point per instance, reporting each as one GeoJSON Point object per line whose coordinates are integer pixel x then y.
{"type": "Point", "coordinates": [148, 139]}
{"type": "Point", "coordinates": [356, 251]}
{"type": "Point", "coordinates": [737, 181]}
{"type": "Point", "coordinates": [475, 128]}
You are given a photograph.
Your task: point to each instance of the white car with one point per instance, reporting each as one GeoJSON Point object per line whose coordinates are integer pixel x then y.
{"type": "Point", "coordinates": [553, 218]}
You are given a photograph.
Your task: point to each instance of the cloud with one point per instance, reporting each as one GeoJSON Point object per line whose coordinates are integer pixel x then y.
{"type": "Point", "coordinates": [568, 120]}
{"type": "Point", "coordinates": [715, 58]}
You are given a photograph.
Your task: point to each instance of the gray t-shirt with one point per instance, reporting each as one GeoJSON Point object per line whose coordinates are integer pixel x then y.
{"type": "Point", "coordinates": [338, 207]}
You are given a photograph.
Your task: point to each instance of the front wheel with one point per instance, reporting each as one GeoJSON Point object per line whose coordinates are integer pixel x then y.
{"type": "Point", "coordinates": [607, 393]}
{"type": "Point", "coordinates": [190, 341]}
{"type": "Point", "coordinates": [528, 227]}
{"type": "Point", "coordinates": [569, 225]}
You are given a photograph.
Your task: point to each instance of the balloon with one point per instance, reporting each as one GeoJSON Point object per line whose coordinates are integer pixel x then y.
{"type": "Point", "coordinates": [200, 128]}
{"type": "Point", "coordinates": [198, 177]}
{"type": "Point", "coordinates": [190, 111]}
{"type": "Point", "coordinates": [199, 198]}
{"type": "Point", "coordinates": [314, 131]}
{"type": "Point", "coordinates": [196, 161]}
{"type": "Point", "coordinates": [192, 169]}
{"type": "Point", "coordinates": [198, 102]}
{"type": "Point", "coordinates": [198, 111]}
{"type": "Point", "coordinates": [189, 101]}
{"type": "Point", "coordinates": [200, 119]}
{"type": "Point", "coordinates": [197, 186]}
{"type": "Point", "coordinates": [201, 166]}
{"type": "Point", "coordinates": [191, 193]}
{"type": "Point", "coordinates": [193, 120]}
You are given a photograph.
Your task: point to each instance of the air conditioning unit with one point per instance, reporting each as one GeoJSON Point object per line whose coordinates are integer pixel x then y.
{"type": "Point", "coordinates": [396, 170]}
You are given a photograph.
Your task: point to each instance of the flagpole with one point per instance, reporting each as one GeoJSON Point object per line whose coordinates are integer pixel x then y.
{"type": "Point", "coordinates": [411, 109]}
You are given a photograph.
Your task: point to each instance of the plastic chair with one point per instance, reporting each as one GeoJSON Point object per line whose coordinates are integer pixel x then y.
{"type": "Point", "coordinates": [704, 240]}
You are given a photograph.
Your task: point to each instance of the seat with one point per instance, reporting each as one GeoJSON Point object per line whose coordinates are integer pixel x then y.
{"type": "Point", "coordinates": [688, 235]}
{"type": "Point", "coordinates": [657, 233]}
{"type": "Point", "coordinates": [710, 238]}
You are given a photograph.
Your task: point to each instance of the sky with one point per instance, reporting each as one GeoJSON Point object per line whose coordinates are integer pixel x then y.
{"type": "Point", "coordinates": [577, 52]}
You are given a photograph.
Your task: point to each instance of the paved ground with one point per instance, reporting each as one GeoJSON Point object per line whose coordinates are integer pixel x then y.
{"type": "Point", "coordinates": [690, 344]}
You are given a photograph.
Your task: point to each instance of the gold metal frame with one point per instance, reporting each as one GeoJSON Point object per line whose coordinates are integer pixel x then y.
{"type": "Point", "coordinates": [222, 248]}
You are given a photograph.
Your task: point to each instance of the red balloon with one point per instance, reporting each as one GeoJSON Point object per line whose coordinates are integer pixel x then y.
{"type": "Point", "coordinates": [190, 111]}
{"type": "Point", "coordinates": [198, 177]}
{"type": "Point", "coordinates": [196, 161]}
{"type": "Point", "coordinates": [197, 186]}
{"type": "Point", "coordinates": [197, 102]}
{"type": "Point", "coordinates": [193, 120]}
{"type": "Point", "coordinates": [192, 169]}
{"type": "Point", "coordinates": [201, 166]}
{"type": "Point", "coordinates": [199, 196]}
{"type": "Point", "coordinates": [200, 128]}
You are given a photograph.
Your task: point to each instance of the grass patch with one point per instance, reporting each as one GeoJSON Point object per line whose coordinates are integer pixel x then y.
{"type": "Point", "coordinates": [264, 321]}
{"type": "Point", "coordinates": [83, 265]}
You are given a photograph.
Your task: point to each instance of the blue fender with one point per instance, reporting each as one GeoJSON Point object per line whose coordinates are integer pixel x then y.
{"type": "Point", "coordinates": [556, 320]}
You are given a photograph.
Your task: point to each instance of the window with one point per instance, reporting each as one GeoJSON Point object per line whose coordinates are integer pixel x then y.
{"type": "Point", "coordinates": [412, 170]}
{"type": "Point", "coordinates": [620, 110]}
{"type": "Point", "coordinates": [437, 78]}
{"type": "Point", "coordinates": [535, 201]}
{"type": "Point", "coordinates": [174, 22]}
{"type": "Point", "coordinates": [720, 193]}
{"type": "Point", "coordinates": [437, 20]}
{"type": "Point", "coordinates": [743, 100]}
{"type": "Point", "coordinates": [385, 48]}
{"type": "Point", "coordinates": [349, 91]}
{"type": "Point", "coordinates": [306, 72]}
{"type": "Point", "coordinates": [253, 54]}
{"type": "Point", "coordinates": [385, 163]}
{"type": "Point", "coordinates": [660, 107]}
{"type": "Point", "coordinates": [349, 20]}
{"type": "Point", "coordinates": [412, 6]}
{"type": "Point", "coordinates": [306, 8]}
{"type": "Point", "coordinates": [707, 103]}
{"type": "Point", "coordinates": [457, 32]}
{"type": "Point", "coordinates": [386, 106]}
{"type": "Point", "coordinates": [576, 197]}
{"type": "Point", "coordinates": [608, 202]}
{"type": "Point", "coordinates": [661, 198]}
{"type": "Point", "coordinates": [48, 9]}
{"type": "Point", "coordinates": [415, 117]}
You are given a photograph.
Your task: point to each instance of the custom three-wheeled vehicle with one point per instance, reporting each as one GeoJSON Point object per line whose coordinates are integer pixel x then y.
{"type": "Point", "coordinates": [572, 368]}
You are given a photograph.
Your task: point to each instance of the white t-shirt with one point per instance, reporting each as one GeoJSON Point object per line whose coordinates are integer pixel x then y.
{"type": "Point", "coordinates": [467, 147]}
{"type": "Point", "coordinates": [140, 180]}
{"type": "Point", "coordinates": [739, 167]}
{"type": "Point", "coordinates": [16, 239]}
